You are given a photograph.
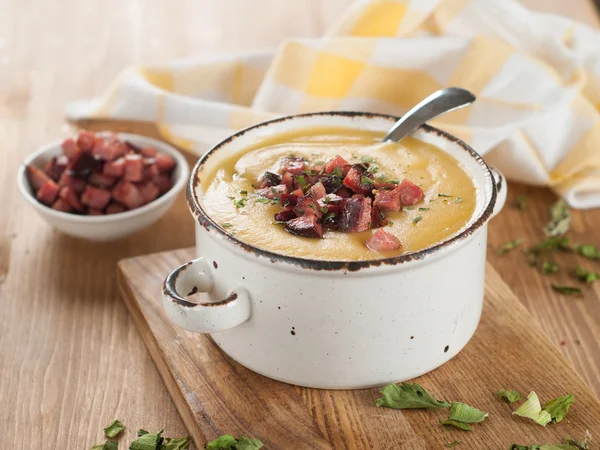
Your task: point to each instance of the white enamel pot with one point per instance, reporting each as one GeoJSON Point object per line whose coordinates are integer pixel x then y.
{"type": "Point", "coordinates": [336, 324]}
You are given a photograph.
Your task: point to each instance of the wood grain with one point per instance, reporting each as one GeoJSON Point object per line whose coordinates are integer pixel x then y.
{"type": "Point", "coordinates": [71, 359]}
{"type": "Point", "coordinates": [507, 351]}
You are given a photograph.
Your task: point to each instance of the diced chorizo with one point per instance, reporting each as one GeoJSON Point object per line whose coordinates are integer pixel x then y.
{"type": "Point", "coordinates": [86, 140]}
{"type": "Point", "coordinates": [100, 180]}
{"type": "Point", "coordinates": [306, 226]}
{"type": "Point", "coordinates": [149, 191]}
{"type": "Point", "coordinates": [356, 214]}
{"type": "Point", "coordinates": [317, 190]}
{"type": "Point", "coordinates": [164, 162]}
{"type": "Point", "coordinates": [128, 194]}
{"type": "Point", "coordinates": [114, 168]}
{"type": "Point", "coordinates": [94, 212]}
{"type": "Point", "coordinates": [48, 192]}
{"type": "Point", "coordinates": [56, 166]}
{"type": "Point", "coordinates": [410, 193]}
{"type": "Point", "coordinates": [96, 198]}
{"type": "Point", "coordinates": [134, 168]}
{"type": "Point", "coordinates": [338, 161]}
{"type": "Point", "coordinates": [108, 149]}
{"type": "Point", "coordinates": [70, 148]}
{"type": "Point", "coordinates": [70, 196]}
{"type": "Point", "coordinates": [356, 180]}
{"type": "Point", "coordinates": [163, 182]}
{"type": "Point", "coordinates": [66, 179]}
{"type": "Point", "coordinates": [115, 208]}
{"type": "Point", "coordinates": [382, 241]}
{"type": "Point", "coordinates": [388, 200]}
{"type": "Point", "coordinates": [61, 205]}
{"type": "Point", "coordinates": [36, 177]}
{"type": "Point", "coordinates": [272, 192]}
{"type": "Point", "coordinates": [292, 164]}
{"type": "Point", "coordinates": [148, 152]}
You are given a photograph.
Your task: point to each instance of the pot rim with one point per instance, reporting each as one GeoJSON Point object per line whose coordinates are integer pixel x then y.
{"type": "Point", "coordinates": [209, 224]}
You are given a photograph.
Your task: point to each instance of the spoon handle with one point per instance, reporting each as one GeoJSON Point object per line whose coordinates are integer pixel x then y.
{"type": "Point", "coordinates": [440, 102]}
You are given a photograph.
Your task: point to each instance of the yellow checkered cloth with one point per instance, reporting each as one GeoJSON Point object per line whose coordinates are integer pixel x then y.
{"type": "Point", "coordinates": [536, 77]}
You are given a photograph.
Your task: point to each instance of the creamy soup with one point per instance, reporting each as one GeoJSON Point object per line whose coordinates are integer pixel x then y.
{"type": "Point", "coordinates": [448, 203]}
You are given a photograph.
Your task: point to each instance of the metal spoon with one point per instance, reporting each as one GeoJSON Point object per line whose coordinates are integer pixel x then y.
{"type": "Point", "coordinates": [438, 103]}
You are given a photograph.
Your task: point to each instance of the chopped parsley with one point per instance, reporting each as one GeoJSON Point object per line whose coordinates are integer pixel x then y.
{"type": "Point", "coordinates": [457, 424]}
{"type": "Point", "coordinates": [511, 396]}
{"type": "Point", "coordinates": [532, 409]}
{"type": "Point", "coordinates": [560, 219]}
{"type": "Point", "coordinates": [226, 225]}
{"type": "Point", "coordinates": [567, 290]}
{"type": "Point", "coordinates": [417, 219]}
{"type": "Point", "coordinates": [301, 180]}
{"type": "Point", "coordinates": [585, 275]}
{"type": "Point", "coordinates": [240, 203]}
{"type": "Point", "coordinates": [559, 407]}
{"type": "Point", "coordinates": [549, 267]}
{"type": "Point", "coordinates": [319, 163]}
{"type": "Point", "coordinates": [261, 200]}
{"type": "Point", "coordinates": [366, 180]}
{"type": "Point", "coordinates": [452, 444]}
{"type": "Point", "coordinates": [367, 159]}
{"type": "Point", "coordinates": [588, 251]}
{"type": "Point", "coordinates": [462, 416]}
{"type": "Point", "coordinates": [521, 202]}
{"type": "Point", "coordinates": [445, 195]}
{"type": "Point", "coordinates": [408, 396]}
{"type": "Point", "coordinates": [424, 209]}
{"type": "Point", "coordinates": [324, 210]}
{"type": "Point", "coordinates": [114, 429]}
{"type": "Point", "coordinates": [507, 247]}
{"type": "Point", "coordinates": [243, 192]}
{"type": "Point", "coordinates": [337, 172]}
{"type": "Point", "coordinates": [458, 200]}
{"type": "Point", "coordinates": [409, 208]}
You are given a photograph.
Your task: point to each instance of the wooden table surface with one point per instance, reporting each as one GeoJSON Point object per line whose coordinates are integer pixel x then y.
{"type": "Point", "coordinates": [71, 359]}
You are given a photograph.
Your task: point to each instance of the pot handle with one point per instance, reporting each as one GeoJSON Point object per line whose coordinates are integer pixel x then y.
{"type": "Point", "coordinates": [501, 188]}
{"type": "Point", "coordinates": [210, 317]}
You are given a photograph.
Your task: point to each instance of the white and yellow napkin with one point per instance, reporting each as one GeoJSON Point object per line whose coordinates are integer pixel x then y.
{"type": "Point", "coordinates": [536, 77]}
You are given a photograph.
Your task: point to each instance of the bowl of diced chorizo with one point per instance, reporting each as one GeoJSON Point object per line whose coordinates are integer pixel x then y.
{"type": "Point", "coordinates": [103, 186]}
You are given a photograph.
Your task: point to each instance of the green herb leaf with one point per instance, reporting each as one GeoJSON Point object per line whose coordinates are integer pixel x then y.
{"type": "Point", "coordinates": [462, 412]}
{"type": "Point", "coordinates": [549, 267]}
{"type": "Point", "coordinates": [417, 219]}
{"type": "Point", "coordinates": [141, 432]}
{"type": "Point", "coordinates": [367, 159]}
{"type": "Point", "coordinates": [569, 444]}
{"type": "Point", "coordinates": [532, 409]}
{"type": "Point", "coordinates": [224, 442]}
{"type": "Point", "coordinates": [246, 443]}
{"type": "Point", "coordinates": [261, 200]}
{"type": "Point", "coordinates": [227, 441]}
{"type": "Point", "coordinates": [511, 396]}
{"type": "Point", "coordinates": [390, 223]}
{"type": "Point", "coordinates": [176, 443]}
{"type": "Point", "coordinates": [98, 447]}
{"type": "Point", "coordinates": [111, 445]}
{"type": "Point", "coordinates": [149, 441]}
{"type": "Point", "coordinates": [337, 172]}
{"type": "Point", "coordinates": [226, 225]}
{"type": "Point", "coordinates": [457, 424]}
{"type": "Point", "coordinates": [373, 168]}
{"type": "Point", "coordinates": [445, 195]}
{"type": "Point", "coordinates": [408, 396]}
{"type": "Point", "coordinates": [366, 180]}
{"type": "Point", "coordinates": [240, 203]}
{"type": "Point", "coordinates": [424, 209]}
{"type": "Point", "coordinates": [521, 202]}
{"type": "Point", "coordinates": [301, 180]}
{"type": "Point", "coordinates": [505, 248]}
{"type": "Point", "coordinates": [551, 243]}
{"type": "Point", "coordinates": [319, 163]}
{"type": "Point", "coordinates": [408, 208]}
{"type": "Point", "coordinates": [452, 444]}
{"type": "Point", "coordinates": [243, 192]}
{"type": "Point", "coordinates": [560, 219]}
{"type": "Point", "coordinates": [559, 407]}
{"type": "Point", "coordinates": [458, 200]}
{"type": "Point", "coordinates": [567, 290]}
{"type": "Point", "coordinates": [585, 275]}
{"type": "Point", "coordinates": [324, 210]}
{"type": "Point", "coordinates": [393, 181]}
{"type": "Point", "coordinates": [113, 429]}
{"type": "Point", "coordinates": [587, 250]}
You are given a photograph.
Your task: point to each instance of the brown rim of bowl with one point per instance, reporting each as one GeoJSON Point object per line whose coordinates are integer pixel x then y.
{"type": "Point", "coordinates": [339, 265]}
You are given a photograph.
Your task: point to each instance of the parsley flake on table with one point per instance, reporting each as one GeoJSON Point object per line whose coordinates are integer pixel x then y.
{"type": "Point", "coordinates": [507, 247]}
{"type": "Point", "coordinates": [569, 444]}
{"type": "Point", "coordinates": [240, 203]}
{"type": "Point", "coordinates": [462, 416]}
{"type": "Point", "coordinates": [567, 290]}
{"type": "Point", "coordinates": [549, 267]}
{"type": "Point", "coordinates": [108, 445]}
{"type": "Point", "coordinates": [586, 275]}
{"type": "Point", "coordinates": [560, 219]}
{"type": "Point", "coordinates": [176, 443]}
{"type": "Point", "coordinates": [417, 219]}
{"type": "Point", "coordinates": [228, 442]}
{"type": "Point", "coordinates": [559, 407]}
{"type": "Point", "coordinates": [521, 202]}
{"type": "Point", "coordinates": [113, 429]}
{"type": "Point", "coordinates": [532, 409]}
{"type": "Point", "coordinates": [587, 250]}
{"type": "Point", "coordinates": [452, 444]}
{"type": "Point", "coordinates": [148, 441]}
{"type": "Point", "coordinates": [408, 396]}
{"type": "Point", "coordinates": [510, 395]}
{"type": "Point", "coordinates": [457, 424]}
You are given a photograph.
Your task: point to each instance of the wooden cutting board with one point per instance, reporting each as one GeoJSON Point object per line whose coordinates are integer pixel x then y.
{"type": "Point", "coordinates": [215, 395]}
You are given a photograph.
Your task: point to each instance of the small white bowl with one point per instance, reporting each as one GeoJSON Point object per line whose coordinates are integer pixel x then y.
{"type": "Point", "coordinates": [113, 226]}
